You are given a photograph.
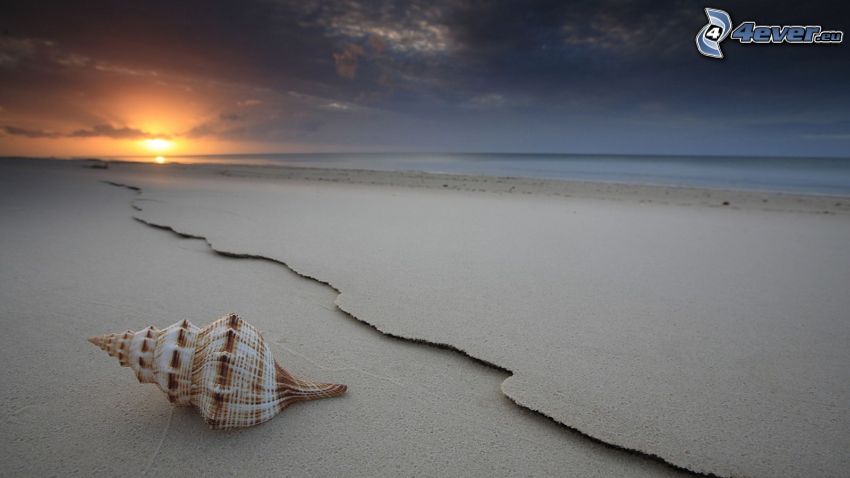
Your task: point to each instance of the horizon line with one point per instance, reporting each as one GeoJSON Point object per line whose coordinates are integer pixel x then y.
{"type": "Point", "coordinates": [421, 153]}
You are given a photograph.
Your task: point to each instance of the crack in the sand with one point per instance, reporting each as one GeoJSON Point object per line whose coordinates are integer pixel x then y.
{"type": "Point", "coordinates": [439, 345]}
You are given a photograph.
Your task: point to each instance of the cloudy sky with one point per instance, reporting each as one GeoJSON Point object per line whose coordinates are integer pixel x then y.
{"type": "Point", "coordinates": [214, 76]}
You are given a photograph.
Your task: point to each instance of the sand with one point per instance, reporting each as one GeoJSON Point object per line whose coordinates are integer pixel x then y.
{"type": "Point", "coordinates": [74, 264]}
{"type": "Point", "coordinates": [654, 319]}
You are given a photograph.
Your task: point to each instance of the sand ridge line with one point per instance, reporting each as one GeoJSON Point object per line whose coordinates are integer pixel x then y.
{"type": "Point", "coordinates": [443, 346]}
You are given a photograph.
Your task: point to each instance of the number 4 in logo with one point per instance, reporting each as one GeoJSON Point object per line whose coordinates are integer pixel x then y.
{"type": "Point", "coordinates": [709, 37]}
{"type": "Point", "coordinates": [713, 33]}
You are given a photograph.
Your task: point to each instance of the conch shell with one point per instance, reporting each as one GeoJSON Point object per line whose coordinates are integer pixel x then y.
{"type": "Point", "coordinates": [225, 369]}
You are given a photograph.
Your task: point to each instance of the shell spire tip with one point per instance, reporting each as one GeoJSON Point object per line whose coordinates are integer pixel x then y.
{"type": "Point", "coordinates": [97, 340]}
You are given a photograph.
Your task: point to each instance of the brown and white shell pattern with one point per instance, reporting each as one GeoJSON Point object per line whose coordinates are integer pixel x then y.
{"type": "Point", "coordinates": [225, 369]}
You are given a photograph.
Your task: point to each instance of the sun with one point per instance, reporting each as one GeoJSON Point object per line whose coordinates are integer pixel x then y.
{"type": "Point", "coordinates": [158, 145]}
{"type": "Point", "coordinates": [159, 159]}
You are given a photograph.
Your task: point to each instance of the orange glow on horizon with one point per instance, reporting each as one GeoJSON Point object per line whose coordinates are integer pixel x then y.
{"type": "Point", "coordinates": [158, 145]}
{"type": "Point", "coordinates": [159, 160]}
{"type": "Point", "coordinates": [107, 148]}
{"type": "Point", "coordinates": [162, 115]}
{"type": "Point", "coordinates": [111, 148]}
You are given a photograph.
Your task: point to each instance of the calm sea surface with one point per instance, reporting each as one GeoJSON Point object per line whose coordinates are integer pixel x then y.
{"type": "Point", "coordinates": [799, 175]}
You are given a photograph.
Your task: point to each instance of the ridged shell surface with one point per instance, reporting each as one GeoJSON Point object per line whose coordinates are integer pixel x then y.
{"type": "Point", "coordinates": [225, 369]}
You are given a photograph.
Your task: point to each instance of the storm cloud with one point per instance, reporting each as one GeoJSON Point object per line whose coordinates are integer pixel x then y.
{"type": "Point", "coordinates": [552, 76]}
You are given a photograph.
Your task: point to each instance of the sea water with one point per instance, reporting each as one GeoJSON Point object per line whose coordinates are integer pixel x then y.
{"type": "Point", "coordinates": [829, 176]}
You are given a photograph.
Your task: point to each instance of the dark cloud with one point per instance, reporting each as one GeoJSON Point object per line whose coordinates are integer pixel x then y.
{"type": "Point", "coordinates": [29, 133]}
{"type": "Point", "coordinates": [584, 76]}
{"type": "Point", "coordinates": [109, 131]}
{"type": "Point", "coordinates": [96, 131]}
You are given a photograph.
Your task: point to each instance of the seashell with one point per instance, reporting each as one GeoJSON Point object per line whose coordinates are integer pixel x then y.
{"type": "Point", "coordinates": [225, 369]}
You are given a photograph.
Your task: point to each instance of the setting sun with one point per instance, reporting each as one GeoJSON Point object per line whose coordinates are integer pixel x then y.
{"type": "Point", "coordinates": [158, 144]}
{"type": "Point", "coordinates": [159, 159]}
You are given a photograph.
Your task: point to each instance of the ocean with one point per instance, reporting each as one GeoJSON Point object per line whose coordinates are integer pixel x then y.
{"type": "Point", "coordinates": [822, 176]}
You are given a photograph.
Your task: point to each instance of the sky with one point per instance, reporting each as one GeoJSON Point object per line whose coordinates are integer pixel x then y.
{"type": "Point", "coordinates": [103, 78]}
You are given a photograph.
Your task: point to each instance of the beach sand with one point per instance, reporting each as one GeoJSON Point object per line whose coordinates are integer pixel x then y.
{"type": "Point", "coordinates": [710, 336]}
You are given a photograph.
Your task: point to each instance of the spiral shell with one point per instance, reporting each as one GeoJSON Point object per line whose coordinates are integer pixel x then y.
{"type": "Point", "coordinates": [225, 369]}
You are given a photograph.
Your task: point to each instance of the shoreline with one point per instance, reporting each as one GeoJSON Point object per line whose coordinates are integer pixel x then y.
{"type": "Point", "coordinates": [764, 200]}
{"type": "Point", "coordinates": [648, 193]}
